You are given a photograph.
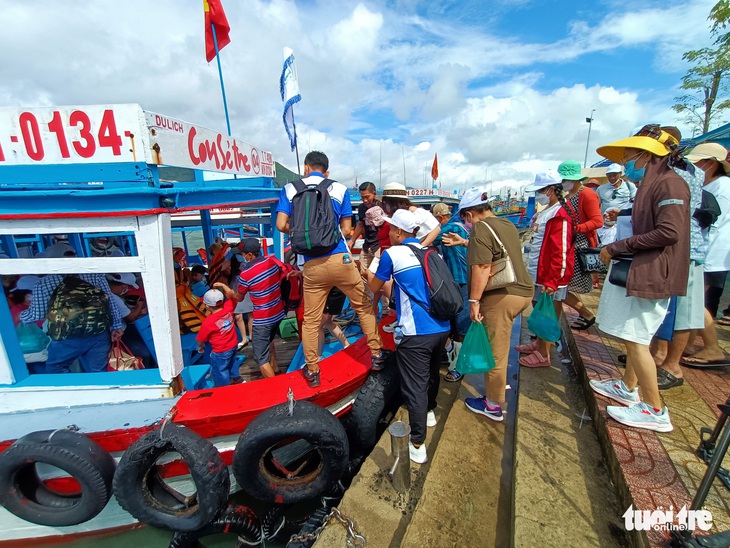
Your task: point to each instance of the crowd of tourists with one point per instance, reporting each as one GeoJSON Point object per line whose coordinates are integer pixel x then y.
{"type": "Point", "coordinates": [658, 229]}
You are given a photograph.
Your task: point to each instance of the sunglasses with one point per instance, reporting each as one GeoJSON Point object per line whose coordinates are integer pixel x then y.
{"type": "Point", "coordinates": [655, 131]}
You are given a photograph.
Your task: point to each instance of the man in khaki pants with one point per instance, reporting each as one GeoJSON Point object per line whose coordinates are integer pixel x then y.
{"type": "Point", "coordinates": [334, 269]}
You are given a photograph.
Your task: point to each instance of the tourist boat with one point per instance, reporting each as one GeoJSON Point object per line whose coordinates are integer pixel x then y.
{"type": "Point", "coordinates": [82, 171]}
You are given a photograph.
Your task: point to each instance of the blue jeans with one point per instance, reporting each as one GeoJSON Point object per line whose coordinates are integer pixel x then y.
{"type": "Point", "coordinates": [223, 367]}
{"type": "Point", "coordinates": [92, 353]}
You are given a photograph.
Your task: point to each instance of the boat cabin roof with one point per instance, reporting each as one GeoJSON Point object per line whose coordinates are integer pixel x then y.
{"type": "Point", "coordinates": [87, 171]}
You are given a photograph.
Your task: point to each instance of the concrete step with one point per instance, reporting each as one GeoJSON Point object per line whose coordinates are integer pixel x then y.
{"type": "Point", "coordinates": [380, 512]}
{"type": "Point", "coordinates": [563, 494]}
{"type": "Point", "coordinates": [539, 474]}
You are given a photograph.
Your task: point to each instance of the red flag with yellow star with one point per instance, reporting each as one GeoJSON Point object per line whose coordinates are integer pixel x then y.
{"type": "Point", "coordinates": [215, 17]}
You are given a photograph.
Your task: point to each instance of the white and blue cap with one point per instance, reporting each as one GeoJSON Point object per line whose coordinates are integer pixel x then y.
{"type": "Point", "coordinates": [213, 297]}
{"type": "Point", "coordinates": [403, 219]}
{"type": "Point", "coordinates": [474, 197]}
{"type": "Point", "coordinates": [543, 180]}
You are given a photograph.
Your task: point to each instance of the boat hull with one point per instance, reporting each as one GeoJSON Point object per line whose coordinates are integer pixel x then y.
{"type": "Point", "coordinates": [219, 415]}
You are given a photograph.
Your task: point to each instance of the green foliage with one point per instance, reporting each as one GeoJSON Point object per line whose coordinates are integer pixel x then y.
{"type": "Point", "coordinates": [706, 82]}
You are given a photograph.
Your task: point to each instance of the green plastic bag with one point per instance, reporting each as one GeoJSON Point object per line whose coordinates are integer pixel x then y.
{"type": "Point", "coordinates": [475, 355]}
{"type": "Point", "coordinates": [543, 321]}
{"type": "Point", "coordinates": [31, 338]}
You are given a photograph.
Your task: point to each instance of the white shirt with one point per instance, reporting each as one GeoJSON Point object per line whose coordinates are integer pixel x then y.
{"type": "Point", "coordinates": [718, 239]}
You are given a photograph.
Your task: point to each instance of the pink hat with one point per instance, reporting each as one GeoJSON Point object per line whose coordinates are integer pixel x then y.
{"type": "Point", "coordinates": [374, 216]}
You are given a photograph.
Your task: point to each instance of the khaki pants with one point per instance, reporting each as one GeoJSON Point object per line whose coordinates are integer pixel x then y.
{"type": "Point", "coordinates": [321, 275]}
{"type": "Point", "coordinates": [366, 257]}
{"type": "Point", "coordinates": [499, 313]}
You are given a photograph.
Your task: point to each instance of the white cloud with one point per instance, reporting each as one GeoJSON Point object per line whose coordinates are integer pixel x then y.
{"type": "Point", "coordinates": [477, 97]}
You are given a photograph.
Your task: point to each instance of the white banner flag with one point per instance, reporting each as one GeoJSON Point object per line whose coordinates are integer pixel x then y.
{"type": "Point", "coordinates": [289, 87]}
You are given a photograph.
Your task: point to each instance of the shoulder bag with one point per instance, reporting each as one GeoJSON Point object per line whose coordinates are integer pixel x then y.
{"type": "Point", "coordinates": [620, 266]}
{"type": "Point", "coordinates": [502, 272]}
{"type": "Point", "coordinates": [588, 260]}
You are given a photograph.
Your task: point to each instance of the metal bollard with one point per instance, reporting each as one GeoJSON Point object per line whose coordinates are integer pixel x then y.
{"type": "Point", "coordinates": [400, 473]}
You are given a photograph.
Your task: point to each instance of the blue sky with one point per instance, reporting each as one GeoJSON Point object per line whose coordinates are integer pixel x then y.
{"type": "Point", "coordinates": [498, 89]}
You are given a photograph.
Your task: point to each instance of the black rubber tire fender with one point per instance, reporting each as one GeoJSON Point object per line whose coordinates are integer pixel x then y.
{"type": "Point", "coordinates": [373, 399]}
{"type": "Point", "coordinates": [253, 466]}
{"type": "Point", "coordinates": [235, 519]}
{"type": "Point", "coordinates": [23, 492]}
{"type": "Point", "coordinates": [141, 492]}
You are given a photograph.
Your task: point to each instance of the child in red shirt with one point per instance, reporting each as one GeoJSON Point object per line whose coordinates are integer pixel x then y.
{"type": "Point", "coordinates": [218, 330]}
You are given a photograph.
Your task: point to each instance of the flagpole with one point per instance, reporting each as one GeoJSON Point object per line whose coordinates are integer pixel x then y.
{"type": "Point", "coordinates": [220, 75]}
{"type": "Point", "coordinates": [296, 143]}
{"type": "Point", "coordinates": [403, 152]}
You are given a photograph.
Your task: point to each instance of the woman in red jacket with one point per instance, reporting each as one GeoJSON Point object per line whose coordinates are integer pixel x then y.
{"type": "Point", "coordinates": [551, 257]}
{"type": "Point", "coordinates": [584, 207]}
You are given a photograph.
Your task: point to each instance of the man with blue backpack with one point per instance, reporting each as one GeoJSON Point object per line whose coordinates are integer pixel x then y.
{"type": "Point", "coordinates": [316, 211]}
{"type": "Point", "coordinates": [426, 297]}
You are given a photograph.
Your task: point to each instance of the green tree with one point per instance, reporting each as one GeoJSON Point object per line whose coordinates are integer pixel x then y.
{"type": "Point", "coordinates": [706, 82]}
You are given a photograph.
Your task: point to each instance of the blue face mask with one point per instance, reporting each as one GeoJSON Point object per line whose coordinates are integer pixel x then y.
{"type": "Point", "coordinates": [634, 173]}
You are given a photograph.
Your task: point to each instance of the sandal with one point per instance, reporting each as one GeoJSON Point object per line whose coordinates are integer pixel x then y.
{"type": "Point", "coordinates": [725, 320]}
{"type": "Point", "coordinates": [693, 361]}
{"type": "Point", "coordinates": [581, 323]}
{"type": "Point", "coordinates": [526, 348]}
{"type": "Point", "coordinates": [453, 376]}
{"type": "Point", "coordinates": [665, 380]}
{"type": "Point", "coordinates": [534, 360]}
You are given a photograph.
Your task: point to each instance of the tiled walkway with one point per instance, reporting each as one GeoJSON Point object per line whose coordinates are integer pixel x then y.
{"type": "Point", "coordinates": [654, 470]}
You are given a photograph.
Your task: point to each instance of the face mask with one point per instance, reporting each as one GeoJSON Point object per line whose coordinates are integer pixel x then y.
{"type": "Point", "coordinates": [542, 199]}
{"type": "Point", "coordinates": [634, 173]}
{"type": "Point", "coordinates": [568, 185]}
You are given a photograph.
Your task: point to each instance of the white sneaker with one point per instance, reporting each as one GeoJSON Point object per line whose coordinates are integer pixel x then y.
{"type": "Point", "coordinates": [431, 419]}
{"type": "Point", "coordinates": [418, 454]}
{"type": "Point", "coordinates": [641, 415]}
{"type": "Point", "coordinates": [616, 390]}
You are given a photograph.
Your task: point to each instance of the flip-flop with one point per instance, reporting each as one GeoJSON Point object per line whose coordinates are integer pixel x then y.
{"type": "Point", "coordinates": [700, 363]}
{"type": "Point", "coordinates": [581, 323]}
{"type": "Point", "coordinates": [666, 380]}
{"type": "Point", "coordinates": [725, 320]}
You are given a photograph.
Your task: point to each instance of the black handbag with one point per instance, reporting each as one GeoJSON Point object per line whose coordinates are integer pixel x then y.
{"type": "Point", "coordinates": [619, 273]}
{"type": "Point", "coordinates": [589, 261]}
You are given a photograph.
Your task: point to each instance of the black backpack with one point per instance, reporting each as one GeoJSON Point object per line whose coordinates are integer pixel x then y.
{"type": "Point", "coordinates": [445, 301]}
{"type": "Point", "coordinates": [313, 228]}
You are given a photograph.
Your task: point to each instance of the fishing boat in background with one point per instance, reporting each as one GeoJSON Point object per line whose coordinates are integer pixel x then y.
{"type": "Point", "coordinates": [88, 453]}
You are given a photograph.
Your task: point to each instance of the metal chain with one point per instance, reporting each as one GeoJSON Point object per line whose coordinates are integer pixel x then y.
{"type": "Point", "coordinates": [354, 539]}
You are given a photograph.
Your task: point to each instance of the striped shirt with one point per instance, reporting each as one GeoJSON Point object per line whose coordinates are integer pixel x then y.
{"type": "Point", "coordinates": [261, 278]}
{"type": "Point", "coordinates": [45, 287]}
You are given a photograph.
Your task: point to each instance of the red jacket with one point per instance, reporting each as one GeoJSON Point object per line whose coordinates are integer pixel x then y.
{"type": "Point", "coordinates": [589, 215]}
{"type": "Point", "coordinates": [556, 260]}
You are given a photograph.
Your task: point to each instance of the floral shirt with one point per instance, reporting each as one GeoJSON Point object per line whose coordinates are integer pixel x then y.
{"type": "Point", "coordinates": [695, 179]}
